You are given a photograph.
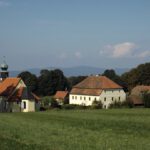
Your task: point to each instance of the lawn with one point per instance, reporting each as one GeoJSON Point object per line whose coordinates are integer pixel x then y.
{"type": "Point", "coordinates": [115, 129]}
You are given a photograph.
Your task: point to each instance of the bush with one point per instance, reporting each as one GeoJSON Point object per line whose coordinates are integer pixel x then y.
{"type": "Point", "coordinates": [74, 106]}
{"type": "Point", "coordinates": [146, 99]}
{"type": "Point", "coordinates": [54, 103]}
{"type": "Point", "coordinates": [48, 102]}
{"type": "Point", "coordinates": [97, 105]}
{"type": "Point", "coordinates": [68, 106]}
{"type": "Point", "coordinates": [124, 104]}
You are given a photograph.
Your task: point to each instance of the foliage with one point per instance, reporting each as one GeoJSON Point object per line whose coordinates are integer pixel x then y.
{"type": "Point", "coordinates": [74, 106]}
{"type": "Point", "coordinates": [146, 99]}
{"type": "Point", "coordinates": [119, 104]}
{"type": "Point", "coordinates": [29, 79]}
{"type": "Point", "coordinates": [49, 102]}
{"type": "Point", "coordinates": [75, 80]}
{"type": "Point", "coordinates": [137, 76]}
{"type": "Point", "coordinates": [96, 105]}
{"type": "Point", "coordinates": [111, 74]}
{"type": "Point", "coordinates": [76, 130]}
{"type": "Point", "coordinates": [54, 103]}
{"type": "Point", "coordinates": [46, 102]}
{"type": "Point", "coordinates": [51, 81]}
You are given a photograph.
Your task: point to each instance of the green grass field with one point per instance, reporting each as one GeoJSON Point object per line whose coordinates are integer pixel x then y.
{"type": "Point", "coordinates": [115, 129]}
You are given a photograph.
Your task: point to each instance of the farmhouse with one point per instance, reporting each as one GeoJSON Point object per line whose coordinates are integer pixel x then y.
{"type": "Point", "coordinates": [14, 94]}
{"type": "Point", "coordinates": [96, 88]}
{"type": "Point", "coordinates": [137, 93]}
{"type": "Point", "coordinates": [61, 97]}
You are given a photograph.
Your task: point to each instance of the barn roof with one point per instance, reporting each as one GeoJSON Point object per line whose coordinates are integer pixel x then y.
{"type": "Point", "coordinates": [61, 94]}
{"type": "Point", "coordinates": [93, 85]}
{"type": "Point", "coordinates": [97, 82]}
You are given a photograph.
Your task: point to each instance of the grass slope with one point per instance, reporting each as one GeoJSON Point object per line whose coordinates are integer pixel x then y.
{"type": "Point", "coordinates": [118, 129]}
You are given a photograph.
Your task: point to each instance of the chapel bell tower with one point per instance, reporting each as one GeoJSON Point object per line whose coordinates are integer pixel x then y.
{"type": "Point", "coordinates": [4, 70]}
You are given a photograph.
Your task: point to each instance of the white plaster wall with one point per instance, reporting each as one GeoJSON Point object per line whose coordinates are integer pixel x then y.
{"type": "Point", "coordinates": [30, 106]}
{"type": "Point", "coordinates": [110, 96]}
{"type": "Point", "coordinates": [107, 97]}
{"type": "Point", "coordinates": [82, 99]}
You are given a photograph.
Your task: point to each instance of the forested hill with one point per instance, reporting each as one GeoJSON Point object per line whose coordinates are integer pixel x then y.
{"type": "Point", "coordinates": [73, 71]}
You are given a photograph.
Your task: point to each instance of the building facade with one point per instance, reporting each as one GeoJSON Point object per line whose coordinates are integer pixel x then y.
{"type": "Point", "coordinates": [15, 95]}
{"type": "Point", "coordinates": [96, 88]}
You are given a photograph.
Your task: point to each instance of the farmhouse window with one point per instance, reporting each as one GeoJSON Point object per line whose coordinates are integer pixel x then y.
{"type": "Point", "coordinates": [72, 97]}
{"type": "Point", "coordinates": [104, 98]}
{"type": "Point", "coordinates": [89, 98]}
{"type": "Point", "coordinates": [119, 98]}
{"type": "Point", "coordinates": [84, 98]}
{"type": "Point", "coordinates": [112, 98]}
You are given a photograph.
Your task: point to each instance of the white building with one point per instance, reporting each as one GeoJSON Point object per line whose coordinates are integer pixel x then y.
{"type": "Point", "coordinates": [15, 95]}
{"type": "Point", "coordinates": [99, 88]}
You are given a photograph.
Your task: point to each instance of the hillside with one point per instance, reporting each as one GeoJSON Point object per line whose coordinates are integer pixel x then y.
{"type": "Point", "coordinates": [73, 71]}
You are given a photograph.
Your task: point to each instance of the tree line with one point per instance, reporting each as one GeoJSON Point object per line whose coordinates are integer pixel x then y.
{"type": "Point", "coordinates": [50, 81]}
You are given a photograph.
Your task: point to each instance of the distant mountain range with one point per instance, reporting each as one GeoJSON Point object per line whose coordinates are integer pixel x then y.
{"type": "Point", "coordinates": [72, 71]}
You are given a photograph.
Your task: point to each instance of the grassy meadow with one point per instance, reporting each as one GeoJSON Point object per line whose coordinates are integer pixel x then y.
{"type": "Point", "coordinates": [114, 129]}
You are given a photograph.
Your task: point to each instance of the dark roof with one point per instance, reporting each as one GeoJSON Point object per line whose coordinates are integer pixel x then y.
{"type": "Point", "coordinates": [23, 93]}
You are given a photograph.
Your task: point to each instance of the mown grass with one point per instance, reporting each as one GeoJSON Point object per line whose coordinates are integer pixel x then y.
{"type": "Point", "coordinates": [115, 129]}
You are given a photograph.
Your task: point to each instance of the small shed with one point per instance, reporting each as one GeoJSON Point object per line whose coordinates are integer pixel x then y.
{"type": "Point", "coordinates": [62, 97]}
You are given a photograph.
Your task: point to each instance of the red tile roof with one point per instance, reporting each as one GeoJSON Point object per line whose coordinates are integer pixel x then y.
{"type": "Point", "coordinates": [9, 89]}
{"type": "Point", "coordinates": [94, 92]}
{"type": "Point", "coordinates": [98, 82]}
{"type": "Point", "coordinates": [139, 89]}
{"type": "Point", "coordinates": [61, 94]}
{"type": "Point", "coordinates": [94, 85]}
{"type": "Point", "coordinates": [8, 86]}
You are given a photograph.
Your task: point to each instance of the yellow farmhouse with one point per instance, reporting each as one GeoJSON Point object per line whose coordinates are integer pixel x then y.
{"type": "Point", "coordinates": [96, 88]}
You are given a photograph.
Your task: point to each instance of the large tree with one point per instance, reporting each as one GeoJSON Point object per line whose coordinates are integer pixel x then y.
{"type": "Point", "coordinates": [75, 80]}
{"type": "Point", "coordinates": [51, 81]}
{"type": "Point", "coordinates": [137, 76]}
{"type": "Point", "coordinates": [30, 80]}
{"type": "Point", "coordinates": [111, 74]}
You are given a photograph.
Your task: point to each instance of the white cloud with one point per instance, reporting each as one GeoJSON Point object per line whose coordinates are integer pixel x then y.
{"type": "Point", "coordinates": [4, 3]}
{"type": "Point", "coordinates": [119, 50]}
{"type": "Point", "coordinates": [78, 55]}
{"type": "Point", "coordinates": [126, 49]}
{"type": "Point", "coordinates": [123, 49]}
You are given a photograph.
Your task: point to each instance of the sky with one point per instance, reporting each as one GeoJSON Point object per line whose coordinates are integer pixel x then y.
{"type": "Point", "coordinates": [67, 33]}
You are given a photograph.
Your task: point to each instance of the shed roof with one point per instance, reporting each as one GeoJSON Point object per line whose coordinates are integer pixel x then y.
{"type": "Point", "coordinates": [61, 94]}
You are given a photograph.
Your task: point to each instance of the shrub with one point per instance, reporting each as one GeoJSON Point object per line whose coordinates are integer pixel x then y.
{"type": "Point", "coordinates": [146, 99]}
{"type": "Point", "coordinates": [45, 102]}
{"type": "Point", "coordinates": [68, 106]}
{"type": "Point", "coordinates": [54, 103]}
{"type": "Point", "coordinates": [124, 104]}
{"type": "Point", "coordinates": [48, 102]}
{"type": "Point", "coordinates": [73, 106]}
{"type": "Point", "coordinates": [97, 105]}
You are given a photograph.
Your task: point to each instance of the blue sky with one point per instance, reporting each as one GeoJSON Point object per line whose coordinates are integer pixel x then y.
{"type": "Point", "coordinates": [66, 33]}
